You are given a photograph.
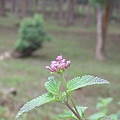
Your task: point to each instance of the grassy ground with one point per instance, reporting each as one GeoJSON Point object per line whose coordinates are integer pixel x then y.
{"type": "Point", "coordinates": [75, 43]}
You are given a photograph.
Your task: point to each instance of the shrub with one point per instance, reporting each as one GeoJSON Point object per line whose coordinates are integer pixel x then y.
{"type": "Point", "coordinates": [32, 35]}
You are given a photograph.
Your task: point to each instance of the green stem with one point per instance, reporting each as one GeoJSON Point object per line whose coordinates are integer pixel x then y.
{"type": "Point", "coordinates": [65, 84]}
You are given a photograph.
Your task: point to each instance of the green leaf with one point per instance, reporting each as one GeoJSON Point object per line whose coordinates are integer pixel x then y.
{"type": "Point", "coordinates": [45, 98]}
{"type": "Point", "coordinates": [61, 97]}
{"type": "Point", "coordinates": [96, 116]}
{"type": "Point", "coordinates": [66, 114]}
{"type": "Point", "coordinates": [114, 116]}
{"type": "Point", "coordinates": [105, 118]}
{"type": "Point", "coordinates": [52, 86]}
{"type": "Point", "coordinates": [81, 111]}
{"type": "Point", "coordinates": [104, 102]}
{"type": "Point", "coordinates": [70, 114]}
{"type": "Point", "coordinates": [83, 81]}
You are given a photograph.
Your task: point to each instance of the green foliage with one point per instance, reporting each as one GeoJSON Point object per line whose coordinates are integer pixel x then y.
{"type": "Point", "coordinates": [105, 118]}
{"type": "Point", "coordinates": [69, 114]}
{"type": "Point", "coordinates": [45, 98]}
{"type": "Point", "coordinates": [83, 81]}
{"type": "Point", "coordinates": [102, 107]}
{"type": "Point", "coordinates": [62, 97]}
{"type": "Point", "coordinates": [32, 34]}
{"type": "Point", "coordinates": [52, 86]}
{"type": "Point", "coordinates": [99, 3]}
{"type": "Point", "coordinates": [103, 103]}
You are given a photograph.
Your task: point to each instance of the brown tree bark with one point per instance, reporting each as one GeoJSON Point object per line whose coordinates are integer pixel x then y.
{"type": "Point", "coordinates": [70, 12]}
{"type": "Point", "coordinates": [13, 5]}
{"type": "Point", "coordinates": [2, 10]}
{"type": "Point", "coordinates": [88, 15]}
{"type": "Point", "coordinates": [60, 12]}
{"type": "Point", "coordinates": [102, 24]}
{"type": "Point", "coordinates": [24, 8]}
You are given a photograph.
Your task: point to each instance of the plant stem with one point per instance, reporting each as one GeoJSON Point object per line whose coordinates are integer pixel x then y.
{"type": "Point", "coordinates": [73, 104]}
{"type": "Point", "coordinates": [73, 111]}
{"type": "Point", "coordinates": [65, 84]}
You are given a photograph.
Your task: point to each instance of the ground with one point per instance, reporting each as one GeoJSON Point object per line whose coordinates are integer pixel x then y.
{"type": "Point", "coordinates": [75, 43]}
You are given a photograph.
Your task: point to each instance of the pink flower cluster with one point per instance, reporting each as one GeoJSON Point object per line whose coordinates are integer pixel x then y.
{"type": "Point", "coordinates": [59, 65]}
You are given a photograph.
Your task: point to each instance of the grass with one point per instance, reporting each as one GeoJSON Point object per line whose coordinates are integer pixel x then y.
{"type": "Point", "coordinates": [75, 43]}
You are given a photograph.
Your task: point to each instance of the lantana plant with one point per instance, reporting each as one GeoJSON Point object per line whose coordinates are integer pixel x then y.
{"type": "Point", "coordinates": [55, 94]}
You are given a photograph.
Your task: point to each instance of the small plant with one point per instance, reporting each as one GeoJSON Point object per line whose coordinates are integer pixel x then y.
{"type": "Point", "coordinates": [103, 110]}
{"type": "Point", "coordinates": [32, 35]}
{"type": "Point", "coordinates": [54, 94]}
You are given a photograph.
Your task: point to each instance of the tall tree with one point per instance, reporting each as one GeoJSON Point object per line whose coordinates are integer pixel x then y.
{"type": "Point", "coordinates": [24, 8]}
{"type": "Point", "coordinates": [88, 15]}
{"type": "Point", "coordinates": [102, 10]}
{"type": "Point", "coordinates": [60, 11]}
{"type": "Point", "coordinates": [43, 8]}
{"type": "Point", "coordinates": [13, 5]}
{"type": "Point", "coordinates": [36, 5]}
{"type": "Point", "coordinates": [2, 10]}
{"type": "Point", "coordinates": [69, 12]}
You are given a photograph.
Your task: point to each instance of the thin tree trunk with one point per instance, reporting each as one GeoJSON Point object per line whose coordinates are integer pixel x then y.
{"type": "Point", "coordinates": [36, 5]}
{"type": "Point", "coordinates": [13, 5]}
{"type": "Point", "coordinates": [100, 40]}
{"type": "Point", "coordinates": [106, 19]}
{"type": "Point", "coordinates": [24, 8]}
{"type": "Point", "coordinates": [52, 8]}
{"type": "Point", "coordinates": [70, 12]}
{"type": "Point", "coordinates": [60, 12]}
{"type": "Point", "coordinates": [43, 8]}
{"type": "Point", "coordinates": [102, 24]}
{"type": "Point", "coordinates": [17, 7]}
{"type": "Point", "coordinates": [88, 15]}
{"type": "Point", "coordinates": [2, 12]}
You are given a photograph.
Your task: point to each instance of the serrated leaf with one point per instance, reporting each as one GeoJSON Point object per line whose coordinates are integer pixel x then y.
{"type": "Point", "coordinates": [66, 114]}
{"type": "Point", "coordinates": [52, 86]}
{"type": "Point", "coordinates": [45, 98]}
{"type": "Point", "coordinates": [83, 81]}
{"type": "Point", "coordinates": [61, 97]}
{"type": "Point", "coordinates": [70, 114]}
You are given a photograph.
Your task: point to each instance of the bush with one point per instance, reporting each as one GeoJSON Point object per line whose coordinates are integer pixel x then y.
{"type": "Point", "coordinates": [32, 35]}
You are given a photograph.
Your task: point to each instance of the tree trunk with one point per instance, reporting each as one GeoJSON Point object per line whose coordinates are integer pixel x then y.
{"type": "Point", "coordinates": [88, 15]}
{"type": "Point", "coordinates": [52, 2]}
{"type": "Point", "coordinates": [13, 5]}
{"type": "Point", "coordinates": [24, 8]}
{"type": "Point", "coordinates": [60, 12]}
{"type": "Point", "coordinates": [102, 23]}
{"type": "Point", "coordinates": [36, 5]}
{"type": "Point", "coordinates": [43, 8]}
{"type": "Point", "coordinates": [70, 12]}
{"type": "Point", "coordinates": [2, 11]}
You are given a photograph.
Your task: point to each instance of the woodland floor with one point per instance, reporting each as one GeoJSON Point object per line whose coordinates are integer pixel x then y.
{"type": "Point", "coordinates": [75, 43]}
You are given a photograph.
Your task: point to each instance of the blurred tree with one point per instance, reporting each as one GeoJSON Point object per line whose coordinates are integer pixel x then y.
{"type": "Point", "coordinates": [88, 15]}
{"type": "Point", "coordinates": [102, 9]}
{"type": "Point", "coordinates": [32, 35]}
{"type": "Point", "coordinates": [24, 8]}
{"type": "Point", "coordinates": [36, 5]}
{"type": "Point", "coordinates": [43, 8]}
{"type": "Point", "coordinates": [70, 12]}
{"type": "Point", "coordinates": [2, 10]}
{"type": "Point", "coordinates": [13, 5]}
{"type": "Point", "coordinates": [60, 11]}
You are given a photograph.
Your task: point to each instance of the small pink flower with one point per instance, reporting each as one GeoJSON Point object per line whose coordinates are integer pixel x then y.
{"type": "Point", "coordinates": [59, 65]}
{"type": "Point", "coordinates": [59, 58]}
